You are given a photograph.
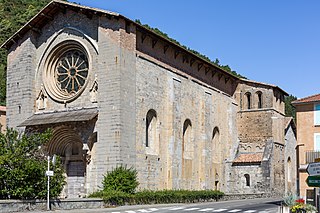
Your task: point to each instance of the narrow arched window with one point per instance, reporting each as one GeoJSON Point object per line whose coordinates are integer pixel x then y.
{"type": "Point", "coordinates": [215, 144]}
{"type": "Point", "coordinates": [151, 127]}
{"type": "Point", "coordinates": [248, 97]}
{"type": "Point", "coordinates": [259, 99]}
{"type": "Point", "coordinates": [215, 134]}
{"type": "Point", "coordinates": [247, 177]}
{"type": "Point", "coordinates": [187, 146]}
{"type": "Point", "coordinates": [289, 169]}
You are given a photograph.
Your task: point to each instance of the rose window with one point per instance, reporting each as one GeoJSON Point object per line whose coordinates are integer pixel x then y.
{"type": "Point", "coordinates": [66, 71]}
{"type": "Point", "coordinates": [72, 71]}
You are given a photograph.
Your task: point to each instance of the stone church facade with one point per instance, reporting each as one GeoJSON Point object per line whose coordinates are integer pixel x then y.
{"type": "Point", "coordinates": [116, 93]}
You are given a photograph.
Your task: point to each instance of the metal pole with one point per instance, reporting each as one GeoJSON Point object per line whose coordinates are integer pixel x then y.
{"type": "Point", "coordinates": [48, 187]}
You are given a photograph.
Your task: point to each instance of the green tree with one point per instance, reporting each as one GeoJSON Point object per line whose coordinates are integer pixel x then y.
{"type": "Point", "coordinates": [23, 165]}
{"type": "Point", "coordinates": [290, 111]}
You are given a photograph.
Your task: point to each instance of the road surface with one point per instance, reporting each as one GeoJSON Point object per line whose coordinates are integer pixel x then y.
{"type": "Point", "coordinates": [239, 206]}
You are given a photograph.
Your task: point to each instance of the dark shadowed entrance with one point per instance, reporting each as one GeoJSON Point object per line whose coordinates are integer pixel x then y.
{"type": "Point", "coordinates": [68, 144]}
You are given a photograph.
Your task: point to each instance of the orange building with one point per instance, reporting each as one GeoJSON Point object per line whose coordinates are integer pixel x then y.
{"type": "Point", "coordinates": [2, 118]}
{"type": "Point", "coordinates": [308, 139]}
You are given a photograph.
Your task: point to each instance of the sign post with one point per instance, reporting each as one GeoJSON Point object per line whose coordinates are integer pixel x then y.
{"type": "Point", "coordinates": [313, 181]}
{"type": "Point", "coordinates": [49, 174]}
{"type": "Point", "coordinates": [313, 169]}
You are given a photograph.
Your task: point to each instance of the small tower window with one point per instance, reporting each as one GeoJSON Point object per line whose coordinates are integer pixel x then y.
{"type": "Point", "coordinates": [248, 97]}
{"type": "Point", "coordinates": [247, 177]}
{"type": "Point", "coordinates": [259, 96]}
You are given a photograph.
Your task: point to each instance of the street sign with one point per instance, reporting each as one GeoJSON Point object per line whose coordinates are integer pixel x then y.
{"type": "Point", "coordinates": [49, 173]}
{"type": "Point", "coordinates": [313, 169]}
{"type": "Point", "coordinates": [313, 181]}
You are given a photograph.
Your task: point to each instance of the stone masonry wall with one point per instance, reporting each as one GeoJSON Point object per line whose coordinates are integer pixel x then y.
{"type": "Point", "coordinates": [176, 98]}
{"type": "Point", "coordinates": [290, 161]}
{"type": "Point", "coordinates": [20, 73]}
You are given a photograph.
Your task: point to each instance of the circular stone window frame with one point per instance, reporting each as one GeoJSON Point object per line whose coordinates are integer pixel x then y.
{"type": "Point", "coordinates": [50, 80]}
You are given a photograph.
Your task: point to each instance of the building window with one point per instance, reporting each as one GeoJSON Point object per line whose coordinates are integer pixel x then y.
{"type": "Point", "coordinates": [289, 169]}
{"type": "Point", "coordinates": [248, 97]}
{"type": "Point", "coordinates": [259, 97]}
{"type": "Point", "coordinates": [316, 141]}
{"type": "Point", "coordinates": [215, 135]}
{"type": "Point", "coordinates": [66, 71]}
{"type": "Point", "coordinates": [187, 145]}
{"type": "Point", "coordinates": [216, 146]}
{"type": "Point", "coordinates": [247, 177]}
{"type": "Point", "coordinates": [317, 114]}
{"type": "Point", "coordinates": [151, 128]}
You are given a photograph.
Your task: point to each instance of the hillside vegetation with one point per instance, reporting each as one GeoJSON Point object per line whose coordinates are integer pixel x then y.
{"type": "Point", "coordinates": [13, 15]}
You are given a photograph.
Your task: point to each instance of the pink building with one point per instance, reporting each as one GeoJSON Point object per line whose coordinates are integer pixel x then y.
{"type": "Point", "coordinates": [2, 118]}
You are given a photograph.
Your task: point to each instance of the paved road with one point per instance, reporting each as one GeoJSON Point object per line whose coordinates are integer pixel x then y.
{"type": "Point", "coordinates": [240, 206]}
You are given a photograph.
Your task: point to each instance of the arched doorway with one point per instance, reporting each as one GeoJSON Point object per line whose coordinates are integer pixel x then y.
{"type": "Point", "coordinates": [68, 145]}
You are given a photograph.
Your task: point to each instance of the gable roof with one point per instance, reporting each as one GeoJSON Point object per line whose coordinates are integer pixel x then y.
{"type": "Point", "coordinates": [289, 122]}
{"type": "Point", "coordinates": [308, 99]}
{"type": "Point", "coordinates": [249, 158]}
{"type": "Point", "coordinates": [265, 84]}
{"type": "Point", "coordinates": [47, 14]}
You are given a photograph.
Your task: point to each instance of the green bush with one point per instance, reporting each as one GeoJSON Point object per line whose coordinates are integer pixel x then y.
{"type": "Point", "coordinates": [121, 179]}
{"type": "Point", "coordinates": [157, 197]}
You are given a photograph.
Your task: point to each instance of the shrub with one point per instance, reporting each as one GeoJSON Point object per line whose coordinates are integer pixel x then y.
{"type": "Point", "coordinates": [157, 197]}
{"type": "Point", "coordinates": [121, 179]}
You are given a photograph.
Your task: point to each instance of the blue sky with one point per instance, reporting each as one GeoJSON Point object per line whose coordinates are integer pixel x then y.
{"type": "Point", "coordinates": [271, 41]}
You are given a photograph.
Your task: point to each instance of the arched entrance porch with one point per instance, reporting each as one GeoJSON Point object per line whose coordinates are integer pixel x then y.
{"type": "Point", "coordinates": [68, 145]}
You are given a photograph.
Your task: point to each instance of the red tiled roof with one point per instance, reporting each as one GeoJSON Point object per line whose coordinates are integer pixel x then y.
{"type": "Point", "coordinates": [312, 98]}
{"type": "Point", "coordinates": [249, 158]}
{"type": "Point", "coordinates": [3, 108]}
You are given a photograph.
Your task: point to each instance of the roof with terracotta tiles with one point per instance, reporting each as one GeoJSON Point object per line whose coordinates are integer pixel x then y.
{"type": "Point", "coordinates": [249, 158]}
{"type": "Point", "coordinates": [3, 108]}
{"type": "Point", "coordinates": [309, 99]}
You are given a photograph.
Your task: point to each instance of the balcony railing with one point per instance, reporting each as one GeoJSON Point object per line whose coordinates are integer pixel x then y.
{"type": "Point", "coordinates": [311, 156]}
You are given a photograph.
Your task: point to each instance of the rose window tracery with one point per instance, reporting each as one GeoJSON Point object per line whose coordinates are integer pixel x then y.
{"type": "Point", "coordinates": [72, 71]}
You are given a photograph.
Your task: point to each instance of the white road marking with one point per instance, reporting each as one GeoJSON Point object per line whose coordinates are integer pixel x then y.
{"type": "Point", "coordinates": [250, 211]}
{"type": "Point", "coordinates": [191, 209]}
{"type": "Point", "coordinates": [205, 210]}
{"type": "Point", "coordinates": [235, 210]}
{"type": "Point", "coordinates": [153, 209]}
{"type": "Point", "coordinates": [219, 210]}
{"type": "Point", "coordinates": [143, 210]}
{"type": "Point", "coordinates": [177, 208]}
{"type": "Point", "coordinates": [130, 211]}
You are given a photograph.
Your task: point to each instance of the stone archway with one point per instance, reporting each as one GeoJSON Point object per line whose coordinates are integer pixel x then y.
{"type": "Point", "coordinates": [67, 143]}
